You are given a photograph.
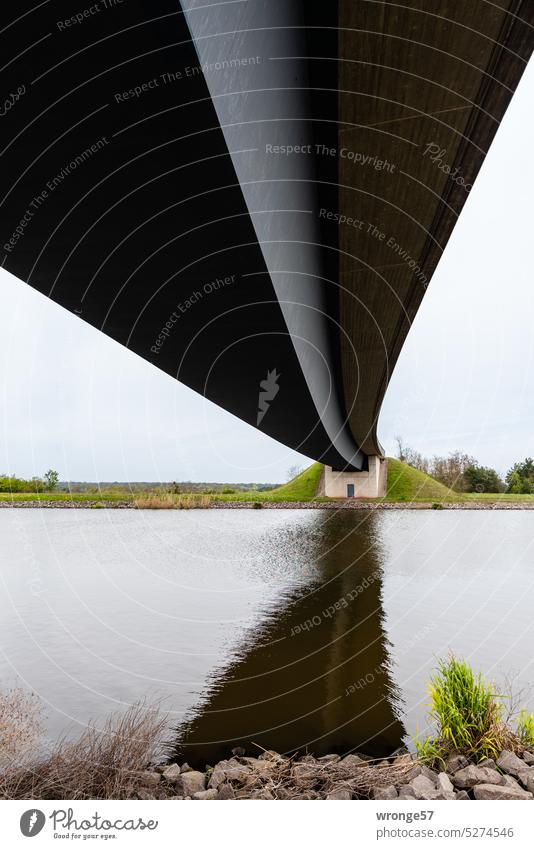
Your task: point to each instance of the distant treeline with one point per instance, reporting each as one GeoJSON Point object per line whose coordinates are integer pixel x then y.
{"type": "Point", "coordinates": [11, 483]}
{"type": "Point", "coordinates": [50, 482]}
{"type": "Point", "coordinates": [463, 473]}
{"type": "Point", "coordinates": [174, 487]}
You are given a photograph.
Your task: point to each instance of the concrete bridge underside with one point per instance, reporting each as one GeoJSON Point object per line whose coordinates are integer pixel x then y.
{"type": "Point", "coordinates": [252, 196]}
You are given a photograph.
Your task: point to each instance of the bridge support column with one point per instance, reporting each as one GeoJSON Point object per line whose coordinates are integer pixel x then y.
{"type": "Point", "coordinates": [369, 484]}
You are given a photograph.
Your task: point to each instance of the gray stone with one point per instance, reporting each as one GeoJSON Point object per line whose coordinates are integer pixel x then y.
{"type": "Point", "coordinates": [145, 795]}
{"type": "Point", "coordinates": [421, 769]}
{"type": "Point", "coordinates": [205, 795]}
{"type": "Point", "coordinates": [257, 765]}
{"type": "Point", "coordinates": [282, 793]}
{"type": "Point", "coordinates": [422, 786]}
{"type": "Point", "coordinates": [456, 762]}
{"type": "Point", "coordinates": [433, 795]}
{"type": "Point", "coordinates": [488, 762]}
{"type": "Point", "coordinates": [526, 777]}
{"type": "Point", "coordinates": [329, 759]}
{"type": "Point", "coordinates": [262, 794]}
{"type": "Point", "coordinates": [172, 773]}
{"type": "Point", "coordinates": [471, 775]}
{"type": "Point", "coordinates": [510, 782]}
{"type": "Point", "coordinates": [528, 757]}
{"type": "Point", "coordinates": [230, 770]}
{"type": "Point", "coordinates": [389, 792]}
{"type": "Point", "coordinates": [150, 778]}
{"type": "Point", "coordinates": [353, 761]}
{"type": "Point", "coordinates": [462, 795]}
{"type": "Point", "coordinates": [186, 768]}
{"type": "Point", "coordinates": [494, 791]}
{"type": "Point", "coordinates": [406, 791]}
{"type": "Point", "coordinates": [510, 763]}
{"type": "Point", "coordinates": [444, 783]}
{"type": "Point", "coordinates": [225, 791]}
{"type": "Point", "coordinates": [193, 782]}
{"type": "Point", "coordinates": [340, 792]}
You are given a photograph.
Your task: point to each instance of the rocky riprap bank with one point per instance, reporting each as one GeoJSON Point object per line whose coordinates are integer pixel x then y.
{"type": "Point", "coordinates": [284, 505]}
{"type": "Point", "coordinates": [273, 776]}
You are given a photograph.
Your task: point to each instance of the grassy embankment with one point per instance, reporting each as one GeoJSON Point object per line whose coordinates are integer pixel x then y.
{"type": "Point", "coordinates": [301, 488]}
{"type": "Point", "coordinates": [408, 484]}
{"type": "Point", "coordinates": [405, 484]}
{"type": "Point", "coordinates": [103, 495]}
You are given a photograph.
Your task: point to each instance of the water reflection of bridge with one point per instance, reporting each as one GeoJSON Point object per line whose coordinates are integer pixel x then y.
{"type": "Point", "coordinates": [317, 673]}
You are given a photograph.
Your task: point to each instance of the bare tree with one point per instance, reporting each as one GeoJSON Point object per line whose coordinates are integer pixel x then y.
{"type": "Point", "coordinates": [411, 456]}
{"type": "Point", "coordinates": [292, 472]}
{"type": "Point", "coordinates": [401, 448]}
{"type": "Point", "coordinates": [450, 470]}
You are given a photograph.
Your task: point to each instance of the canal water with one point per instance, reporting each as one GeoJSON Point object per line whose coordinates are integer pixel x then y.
{"type": "Point", "coordinates": [285, 629]}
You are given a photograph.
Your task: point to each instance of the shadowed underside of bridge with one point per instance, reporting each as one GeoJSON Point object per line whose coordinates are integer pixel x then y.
{"type": "Point", "coordinates": [252, 196]}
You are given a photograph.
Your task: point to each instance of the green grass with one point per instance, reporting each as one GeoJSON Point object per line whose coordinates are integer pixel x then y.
{"type": "Point", "coordinates": [404, 484]}
{"type": "Point", "coordinates": [466, 713]}
{"type": "Point", "coordinates": [301, 488]}
{"type": "Point", "coordinates": [525, 729]}
{"type": "Point", "coordinates": [497, 496]}
{"type": "Point", "coordinates": [408, 484]}
{"type": "Point", "coordinates": [103, 495]}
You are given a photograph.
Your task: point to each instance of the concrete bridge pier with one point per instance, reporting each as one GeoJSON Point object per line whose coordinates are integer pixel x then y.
{"type": "Point", "coordinates": [367, 484]}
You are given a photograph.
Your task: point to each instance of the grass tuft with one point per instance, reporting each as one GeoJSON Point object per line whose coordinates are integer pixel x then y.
{"type": "Point", "coordinates": [525, 729]}
{"type": "Point", "coordinates": [467, 714]}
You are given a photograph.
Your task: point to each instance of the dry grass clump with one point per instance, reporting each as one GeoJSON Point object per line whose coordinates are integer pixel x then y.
{"type": "Point", "coordinates": [169, 501]}
{"type": "Point", "coordinates": [20, 724]}
{"type": "Point", "coordinates": [285, 778]}
{"type": "Point", "coordinates": [104, 763]}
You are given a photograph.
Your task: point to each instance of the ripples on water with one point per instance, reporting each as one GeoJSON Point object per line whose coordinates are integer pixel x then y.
{"type": "Point", "coordinates": [286, 629]}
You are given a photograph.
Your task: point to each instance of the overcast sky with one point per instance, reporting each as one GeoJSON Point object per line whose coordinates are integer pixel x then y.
{"type": "Point", "coordinates": [76, 401]}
